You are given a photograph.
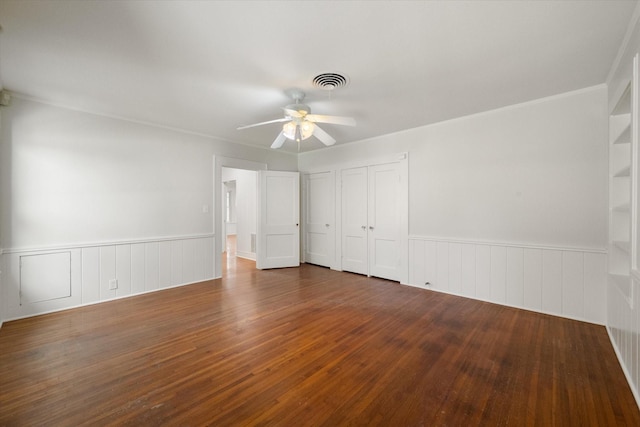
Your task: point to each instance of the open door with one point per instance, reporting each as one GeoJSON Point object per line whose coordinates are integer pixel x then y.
{"type": "Point", "coordinates": [278, 237]}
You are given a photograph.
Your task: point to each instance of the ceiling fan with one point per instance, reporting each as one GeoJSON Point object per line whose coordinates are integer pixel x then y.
{"type": "Point", "coordinates": [300, 124]}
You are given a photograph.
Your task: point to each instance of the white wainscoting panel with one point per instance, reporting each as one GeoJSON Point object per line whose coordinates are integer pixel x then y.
{"type": "Point", "coordinates": [123, 270]}
{"type": "Point", "coordinates": [499, 274]}
{"type": "Point", "coordinates": [137, 267]}
{"type": "Point", "coordinates": [107, 271]}
{"type": "Point", "coordinates": [90, 275]}
{"type": "Point", "coordinates": [152, 266]}
{"type": "Point", "coordinates": [564, 282]}
{"type": "Point", "coordinates": [483, 272]}
{"type": "Point", "coordinates": [624, 330]}
{"type": "Point", "coordinates": [515, 277]}
{"type": "Point", "coordinates": [164, 264]}
{"type": "Point", "coordinates": [532, 279]}
{"type": "Point", "coordinates": [45, 277]}
{"type": "Point", "coordinates": [552, 281]}
{"type": "Point", "coordinates": [468, 271]}
{"type": "Point", "coordinates": [455, 267]}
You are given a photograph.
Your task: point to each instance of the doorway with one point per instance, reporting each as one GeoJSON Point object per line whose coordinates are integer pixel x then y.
{"type": "Point", "coordinates": [274, 236]}
{"type": "Point", "coordinates": [239, 212]}
{"type": "Point", "coordinates": [242, 172]}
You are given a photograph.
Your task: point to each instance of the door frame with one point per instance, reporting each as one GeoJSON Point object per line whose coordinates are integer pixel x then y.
{"type": "Point", "coordinates": [220, 162]}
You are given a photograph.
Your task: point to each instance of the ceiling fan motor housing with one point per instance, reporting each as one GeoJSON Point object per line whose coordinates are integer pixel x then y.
{"type": "Point", "coordinates": [303, 109]}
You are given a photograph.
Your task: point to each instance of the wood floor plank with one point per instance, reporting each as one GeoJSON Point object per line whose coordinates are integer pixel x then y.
{"type": "Point", "coordinates": [308, 346]}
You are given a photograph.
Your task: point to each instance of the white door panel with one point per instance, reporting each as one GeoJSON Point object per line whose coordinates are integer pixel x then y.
{"type": "Point", "coordinates": [384, 221]}
{"type": "Point", "coordinates": [278, 225]}
{"type": "Point", "coordinates": [319, 218]}
{"type": "Point", "coordinates": [354, 220]}
{"type": "Point", "coordinates": [371, 220]}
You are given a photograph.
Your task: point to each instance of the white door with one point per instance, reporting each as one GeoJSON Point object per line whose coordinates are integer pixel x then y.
{"type": "Point", "coordinates": [278, 220]}
{"type": "Point", "coordinates": [384, 221]}
{"type": "Point", "coordinates": [354, 220]}
{"type": "Point", "coordinates": [319, 218]}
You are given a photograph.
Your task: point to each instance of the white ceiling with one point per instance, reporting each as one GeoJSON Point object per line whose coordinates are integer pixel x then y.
{"type": "Point", "coordinates": [209, 67]}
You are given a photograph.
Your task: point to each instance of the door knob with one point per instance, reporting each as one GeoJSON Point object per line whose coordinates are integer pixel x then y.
{"type": "Point", "coordinates": [326, 225]}
{"type": "Point", "coordinates": [364, 227]}
{"type": "Point", "coordinates": [370, 227]}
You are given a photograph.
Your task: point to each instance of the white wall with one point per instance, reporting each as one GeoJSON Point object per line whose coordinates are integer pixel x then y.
{"type": "Point", "coordinates": [533, 173]}
{"type": "Point", "coordinates": [72, 180]}
{"type": "Point", "coordinates": [246, 208]}
{"type": "Point", "coordinates": [99, 179]}
{"type": "Point", "coordinates": [527, 177]}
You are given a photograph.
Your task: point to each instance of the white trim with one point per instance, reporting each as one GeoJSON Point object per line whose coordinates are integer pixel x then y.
{"type": "Point", "coordinates": [104, 243]}
{"type": "Point", "coordinates": [246, 255]}
{"type": "Point", "coordinates": [630, 379]}
{"type": "Point", "coordinates": [523, 104]}
{"type": "Point", "coordinates": [26, 316]}
{"type": "Point", "coordinates": [509, 244]}
{"type": "Point", "coordinates": [625, 43]}
{"type": "Point", "coordinates": [141, 122]}
{"type": "Point", "coordinates": [479, 114]}
{"type": "Point", "coordinates": [579, 319]}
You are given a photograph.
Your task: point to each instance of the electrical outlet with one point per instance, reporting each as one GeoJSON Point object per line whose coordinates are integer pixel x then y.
{"type": "Point", "coordinates": [113, 284]}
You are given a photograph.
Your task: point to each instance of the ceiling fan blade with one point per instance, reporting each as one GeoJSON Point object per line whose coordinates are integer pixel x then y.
{"type": "Point", "coordinates": [336, 120]}
{"type": "Point", "coordinates": [324, 137]}
{"type": "Point", "coordinates": [293, 113]}
{"type": "Point", "coordinates": [284, 119]}
{"type": "Point", "coordinates": [279, 141]}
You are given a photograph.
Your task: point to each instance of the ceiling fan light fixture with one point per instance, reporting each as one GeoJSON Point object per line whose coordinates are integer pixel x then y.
{"type": "Point", "coordinates": [297, 132]}
{"type": "Point", "coordinates": [300, 124]}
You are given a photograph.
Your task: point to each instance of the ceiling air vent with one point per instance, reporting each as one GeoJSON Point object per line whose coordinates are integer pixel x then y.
{"type": "Point", "coordinates": [330, 81]}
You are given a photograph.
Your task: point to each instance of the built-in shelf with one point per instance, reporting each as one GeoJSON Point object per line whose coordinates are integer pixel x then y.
{"type": "Point", "coordinates": [620, 279]}
{"type": "Point", "coordinates": [624, 137]}
{"type": "Point", "coordinates": [624, 207]}
{"type": "Point", "coordinates": [623, 105]}
{"type": "Point", "coordinates": [620, 163]}
{"type": "Point", "coordinates": [624, 285]}
{"type": "Point", "coordinates": [624, 172]}
{"type": "Point", "coordinates": [623, 245]}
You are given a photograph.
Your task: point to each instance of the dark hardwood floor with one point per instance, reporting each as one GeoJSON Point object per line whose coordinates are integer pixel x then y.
{"type": "Point", "coordinates": [308, 346]}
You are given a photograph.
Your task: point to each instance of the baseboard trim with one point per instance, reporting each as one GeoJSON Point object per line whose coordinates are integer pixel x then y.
{"type": "Point", "coordinates": [626, 372]}
{"type": "Point", "coordinates": [246, 255]}
{"type": "Point", "coordinates": [26, 316]}
{"type": "Point", "coordinates": [548, 313]}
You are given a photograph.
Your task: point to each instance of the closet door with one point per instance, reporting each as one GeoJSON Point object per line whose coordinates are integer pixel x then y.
{"type": "Point", "coordinates": [319, 218]}
{"type": "Point", "coordinates": [384, 221]}
{"type": "Point", "coordinates": [354, 220]}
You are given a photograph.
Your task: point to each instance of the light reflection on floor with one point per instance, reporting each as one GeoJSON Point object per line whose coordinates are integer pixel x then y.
{"type": "Point", "coordinates": [229, 259]}
{"type": "Point", "coordinates": [231, 263]}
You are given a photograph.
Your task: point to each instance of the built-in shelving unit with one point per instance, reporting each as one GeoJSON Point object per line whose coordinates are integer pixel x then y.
{"type": "Point", "coordinates": [620, 167]}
